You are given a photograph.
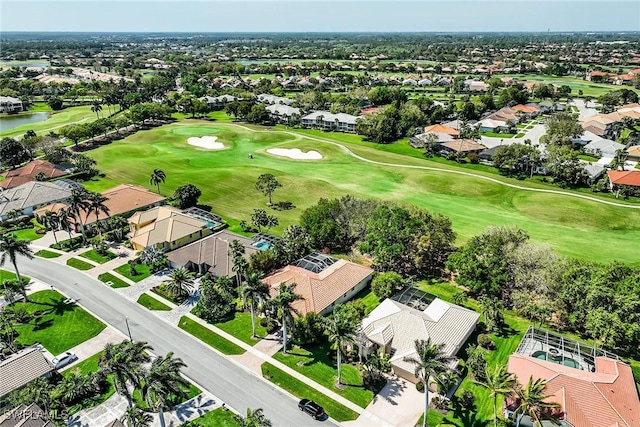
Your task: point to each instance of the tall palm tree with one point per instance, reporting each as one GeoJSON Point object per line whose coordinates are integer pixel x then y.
{"type": "Point", "coordinates": [236, 252]}
{"type": "Point", "coordinates": [252, 292]}
{"type": "Point", "coordinates": [125, 362]}
{"type": "Point", "coordinates": [78, 203]}
{"type": "Point", "coordinates": [162, 380]}
{"type": "Point", "coordinates": [180, 282]}
{"type": "Point", "coordinates": [96, 108]}
{"type": "Point", "coordinates": [10, 248]}
{"type": "Point", "coordinates": [64, 217]}
{"type": "Point", "coordinates": [51, 222]}
{"type": "Point", "coordinates": [499, 382]}
{"type": "Point", "coordinates": [282, 303]}
{"type": "Point", "coordinates": [136, 417]}
{"type": "Point", "coordinates": [341, 331]}
{"type": "Point", "coordinates": [253, 419]}
{"type": "Point", "coordinates": [430, 362]}
{"type": "Point", "coordinates": [158, 176]}
{"type": "Point", "coordinates": [532, 401]}
{"type": "Point", "coordinates": [96, 206]}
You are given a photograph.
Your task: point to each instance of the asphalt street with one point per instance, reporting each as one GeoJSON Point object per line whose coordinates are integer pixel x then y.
{"type": "Point", "coordinates": [236, 386]}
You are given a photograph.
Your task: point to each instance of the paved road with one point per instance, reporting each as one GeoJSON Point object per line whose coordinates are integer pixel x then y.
{"type": "Point", "coordinates": [233, 384]}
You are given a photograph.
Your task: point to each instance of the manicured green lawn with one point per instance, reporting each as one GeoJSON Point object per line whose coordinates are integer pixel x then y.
{"type": "Point", "coordinates": [57, 120]}
{"type": "Point", "coordinates": [43, 253]}
{"type": "Point", "coordinates": [240, 327]}
{"type": "Point", "coordinates": [191, 392]}
{"type": "Point", "coordinates": [27, 234]}
{"type": "Point", "coordinates": [144, 271]}
{"type": "Point", "coordinates": [151, 303]}
{"type": "Point", "coordinates": [79, 264]}
{"type": "Point", "coordinates": [100, 259]}
{"type": "Point", "coordinates": [116, 282]}
{"type": "Point", "coordinates": [209, 337]}
{"type": "Point", "coordinates": [10, 275]}
{"type": "Point", "coordinates": [368, 298]}
{"type": "Point", "coordinates": [217, 418]}
{"type": "Point", "coordinates": [317, 364]}
{"type": "Point", "coordinates": [87, 366]}
{"type": "Point", "coordinates": [57, 326]}
{"type": "Point", "coordinates": [301, 390]}
{"type": "Point", "coordinates": [497, 135]}
{"type": "Point", "coordinates": [587, 158]}
{"type": "Point", "coordinates": [471, 203]}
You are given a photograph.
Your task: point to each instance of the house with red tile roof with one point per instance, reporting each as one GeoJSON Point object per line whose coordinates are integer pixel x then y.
{"type": "Point", "coordinates": [622, 178]}
{"type": "Point", "coordinates": [593, 387]}
{"type": "Point", "coordinates": [442, 129]}
{"type": "Point", "coordinates": [28, 172]}
{"type": "Point", "coordinates": [323, 282]}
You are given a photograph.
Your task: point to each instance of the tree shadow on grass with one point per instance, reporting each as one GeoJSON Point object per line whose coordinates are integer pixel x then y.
{"type": "Point", "coordinates": [39, 326]}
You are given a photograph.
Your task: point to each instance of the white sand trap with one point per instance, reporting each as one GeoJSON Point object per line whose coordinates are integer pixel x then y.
{"type": "Point", "coordinates": [208, 142]}
{"type": "Point", "coordinates": [295, 153]}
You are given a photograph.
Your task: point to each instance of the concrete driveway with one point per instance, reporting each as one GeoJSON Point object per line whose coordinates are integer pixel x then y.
{"type": "Point", "coordinates": [532, 134]}
{"type": "Point", "coordinates": [398, 404]}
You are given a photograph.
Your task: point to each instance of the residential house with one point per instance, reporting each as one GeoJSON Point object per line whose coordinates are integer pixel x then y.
{"type": "Point", "coordinates": [282, 113]}
{"type": "Point", "coordinates": [618, 178]}
{"type": "Point", "coordinates": [475, 86]}
{"type": "Point", "coordinates": [211, 254]}
{"type": "Point", "coordinates": [603, 147]}
{"type": "Point", "coordinates": [30, 196]}
{"type": "Point", "coordinates": [486, 156]}
{"type": "Point", "coordinates": [394, 326]}
{"type": "Point", "coordinates": [465, 146]}
{"type": "Point", "coordinates": [409, 82]}
{"type": "Point", "coordinates": [26, 415]}
{"type": "Point", "coordinates": [443, 129]}
{"type": "Point", "coordinates": [28, 172]}
{"type": "Point", "coordinates": [601, 124]}
{"type": "Point", "coordinates": [323, 282]}
{"type": "Point", "coordinates": [425, 82]}
{"type": "Point", "coordinates": [420, 140]}
{"type": "Point", "coordinates": [593, 387]}
{"type": "Point", "coordinates": [166, 228]}
{"type": "Point", "coordinates": [323, 119]}
{"type": "Point", "coordinates": [20, 368]}
{"type": "Point", "coordinates": [633, 153]}
{"type": "Point", "coordinates": [217, 102]}
{"type": "Point", "coordinates": [9, 104]}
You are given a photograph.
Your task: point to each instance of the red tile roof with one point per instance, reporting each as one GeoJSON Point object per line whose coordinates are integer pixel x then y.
{"type": "Point", "coordinates": [28, 173]}
{"type": "Point", "coordinates": [625, 177]}
{"type": "Point", "coordinates": [606, 397]}
{"type": "Point", "coordinates": [442, 129]}
{"type": "Point", "coordinates": [319, 290]}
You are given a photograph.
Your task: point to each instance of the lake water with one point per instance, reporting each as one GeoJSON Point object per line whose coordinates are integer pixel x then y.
{"type": "Point", "coordinates": [13, 121]}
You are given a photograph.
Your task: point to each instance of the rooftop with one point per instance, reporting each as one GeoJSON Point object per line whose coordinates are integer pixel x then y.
{"type": "Point", "coordinates": [21, 368]}
{"type": "Point", "coordinates": [625, 177]}
{"type": "Point", "coordinates": [30, 194]}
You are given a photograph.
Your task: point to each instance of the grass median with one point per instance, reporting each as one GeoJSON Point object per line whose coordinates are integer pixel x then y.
{"type": "Point", "coordinates": [79, 264]}
{"type": "Point", "coordinates": [209, 337]}
{"type": "Point", "coordinates": [47, 254]}
{"type": "Point", "coordinates": [115, 282]}
{"type": "Point", "coordinates": [151, 303]}
{"type": "Point", "coordinates": [301, 390]}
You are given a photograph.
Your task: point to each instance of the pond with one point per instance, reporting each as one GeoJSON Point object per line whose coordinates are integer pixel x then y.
{"type": "Point", "coordinates": [10, 121]}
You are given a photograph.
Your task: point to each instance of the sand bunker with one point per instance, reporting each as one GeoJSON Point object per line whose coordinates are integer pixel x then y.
{"type": "Point", "coordinates": [295, 153]}
{"type": "Point", "coordinates": [208, 142]}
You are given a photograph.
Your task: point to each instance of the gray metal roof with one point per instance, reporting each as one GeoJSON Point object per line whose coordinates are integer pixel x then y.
{"type": "Point", "coordinates": [21, 368]}
{"type": "Point", "coordinates": [31, 194]}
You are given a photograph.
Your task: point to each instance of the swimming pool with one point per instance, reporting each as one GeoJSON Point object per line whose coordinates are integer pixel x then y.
{"type": "Point", "coordinates": [567, 360]}
{"type": "Point", "coordinates": [262, 245]}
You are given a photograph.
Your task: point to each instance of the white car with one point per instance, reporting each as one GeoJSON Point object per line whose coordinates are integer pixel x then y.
{"type": "Point", "coordinates": [63, 360]}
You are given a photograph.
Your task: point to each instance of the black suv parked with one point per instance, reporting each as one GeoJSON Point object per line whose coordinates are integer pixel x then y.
{"type": "Point", "coordinates": [311, 408]}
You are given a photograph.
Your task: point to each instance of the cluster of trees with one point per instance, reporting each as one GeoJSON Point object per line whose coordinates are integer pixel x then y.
{"type": "Point", "coordinates": [408, 240]}
{"type": "Point", "coordinates": [610, 100]}
{"type": "Point", "coordinates": [598, 301]}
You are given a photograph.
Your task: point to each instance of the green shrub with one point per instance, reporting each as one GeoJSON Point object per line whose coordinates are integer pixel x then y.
{"type": "Point", "coordinates": [420, 386]}
{"type": "Point", "coordinates": [486, 342]}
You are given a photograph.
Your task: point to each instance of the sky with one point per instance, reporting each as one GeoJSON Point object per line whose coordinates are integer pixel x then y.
{"type": "Point", "coordinates": [319, 16]}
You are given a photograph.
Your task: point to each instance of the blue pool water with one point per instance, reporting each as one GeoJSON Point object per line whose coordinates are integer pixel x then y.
{"type": "Point", "coordinates": [262, 245]}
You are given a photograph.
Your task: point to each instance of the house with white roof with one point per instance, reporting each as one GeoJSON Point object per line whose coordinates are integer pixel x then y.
{"type": "Point", "coordinates": [603, 147]}
{"type": "Point", "coordinates": [324, 119]}
{"type": "Point", "coordinates": [29, 196]}
{"type": "Point", "coordinates": [394, 326]}
{"type": "Point", "coordinates": [282, 113]}
{"type": "Point", "coordinates": [9, 104]}
{"type": "Point", "coordinates": [273, 99]}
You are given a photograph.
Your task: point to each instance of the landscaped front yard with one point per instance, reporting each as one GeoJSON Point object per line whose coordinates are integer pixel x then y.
{"type": "Point", "coordinates": [217, 418]}
{"type": "Point", "coordinates": [240, 327]}
{"type": "Point", "coordinates": [10, 275]}
{"type": "Point", "coordinates": [99, 258]}
{"type": "Point", "coordinates": [115, 282]}
{"type": "Point", "coordinates": [43, 253]}
{"type": "Point", "coordinates": [143, 271]}
{"type": "Point", "coordinates": [151, 303]}
{"type": "Point", "coordinates": [56, 325]}
{"type": "Point", "coordinates": [317, 364]}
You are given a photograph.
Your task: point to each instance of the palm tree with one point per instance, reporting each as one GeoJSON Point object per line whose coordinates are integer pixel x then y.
{"type": "Point", "coordinates": [157, 177]}
{"type": "Point", "coordinates": [51, 222]}
{"type": "Point", "coordinates": [10, 248]}
{"type": "Point", "coordinates": [64, 222]}
{"type": "Point", "coordinates": [499, 382]}
{"type": "Point", "coordinates": [429, 363]}
{"type": "Point", "coordinates": [136, 417]}
{"type": "Point", "coordinates": [96, 108]}
{"type": "Point", "coordinates": [77, 203]}
{"type": "Point", "coordinates": [253, 419]}
{"type": "Point", "coordinates": [180, 283]}
{"type": "Point", "coordinates": [96, 206]}
{"type": "Point", "coordinates": [125, 362]}
{"type": "Point", "coordinates": [282, 303]}
{"type": "Point", "coordinates": [619, 160]}
{"type": "Point", "coordinates": [162, 380]}
{"type": "Point", "coordinates": [532, 401]}
{"type": "Point", "coordinates": [341, 331]}
{"type": "Point", "coordinates": [253, 291]}
{"type": "Point", "coordinates": [236, 252]}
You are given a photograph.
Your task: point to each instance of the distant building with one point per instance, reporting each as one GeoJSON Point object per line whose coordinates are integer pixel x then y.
{"type": "Point", "coordinates": [28, 172]}
{"type": "Point", "coordinates": [274, 100]}
{"type": "Point", "coordinates": [324, 119]}
{"type": "Point", "coordinates": [9, 104]}
{"type": "Point", "coordinates": [282, 113]}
